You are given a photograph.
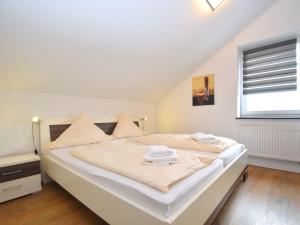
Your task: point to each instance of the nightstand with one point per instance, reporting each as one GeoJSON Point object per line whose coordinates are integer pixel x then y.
{"type": "Point", "coordinates": [19, 175]}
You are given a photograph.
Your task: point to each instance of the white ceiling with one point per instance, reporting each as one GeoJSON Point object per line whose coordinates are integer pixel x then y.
{"type": "Point", "coordinates": [117, 49]}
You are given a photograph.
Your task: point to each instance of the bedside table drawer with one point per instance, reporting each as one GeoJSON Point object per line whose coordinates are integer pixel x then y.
{"type": "Point", "coordinates": [19, 187]}
{"type": "Point", "coordinates": [18, 171]}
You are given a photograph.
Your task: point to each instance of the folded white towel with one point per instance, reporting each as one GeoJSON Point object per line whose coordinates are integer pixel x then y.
{"type": "Point", "coordinates": [149, 158]}
{"type": "Point", "coordinates": [160, 151]}
{"type": "Point", "coordinates": [199, 136]}
{"type": "Point", "coordinates": [160, 155]}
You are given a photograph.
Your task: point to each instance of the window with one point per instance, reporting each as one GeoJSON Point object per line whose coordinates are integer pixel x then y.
{"type": "Point", "coordinates": [268, 80]}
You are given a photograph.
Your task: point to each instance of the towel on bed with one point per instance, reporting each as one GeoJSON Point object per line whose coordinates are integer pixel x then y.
{"type": "Point", "coordinates": [184, 141]}
{"type": "Point", "coordinates": [199, 136]}
{"type": "Point", "coordinates": [160, 155]}
{"type": "Point", "coordinates": [160, 151]}
{"type": "Point", "coordinates": [128, 159]}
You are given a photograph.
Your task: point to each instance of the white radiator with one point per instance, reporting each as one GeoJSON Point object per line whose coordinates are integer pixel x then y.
{"type": "Point", "coordinates": [271, 142]}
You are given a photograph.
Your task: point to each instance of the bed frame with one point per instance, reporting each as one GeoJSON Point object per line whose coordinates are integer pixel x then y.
{"type": "Point", "coordinates": [202, 207]}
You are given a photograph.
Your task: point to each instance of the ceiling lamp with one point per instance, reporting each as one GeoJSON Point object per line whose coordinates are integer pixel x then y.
{"type": "Point", "coordinates": [214, 3]}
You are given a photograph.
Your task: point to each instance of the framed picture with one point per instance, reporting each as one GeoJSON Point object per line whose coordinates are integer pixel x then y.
{"type": "Point", "coordinates": [203, 90]}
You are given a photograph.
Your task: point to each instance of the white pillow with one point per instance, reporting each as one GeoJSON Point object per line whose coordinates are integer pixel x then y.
{"type": "Point", "coordinates": [82, 132]}
{"type": "Point", "coordinates": [127, 128]}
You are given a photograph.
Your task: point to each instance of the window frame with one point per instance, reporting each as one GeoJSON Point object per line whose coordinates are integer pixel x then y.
{"type": "Point", "coordinates": [241, 101]}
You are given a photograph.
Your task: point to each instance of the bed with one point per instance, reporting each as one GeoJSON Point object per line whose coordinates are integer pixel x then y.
{"type": "Point", "coordinates": [195, 200]}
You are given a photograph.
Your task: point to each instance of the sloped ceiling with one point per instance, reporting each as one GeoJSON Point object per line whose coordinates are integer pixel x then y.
{"type": "Point", "coordinates": [116, 49]}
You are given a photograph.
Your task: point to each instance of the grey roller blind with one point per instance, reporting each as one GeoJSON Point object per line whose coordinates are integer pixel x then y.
{"type": "Point", "coordinates": [270, 68]}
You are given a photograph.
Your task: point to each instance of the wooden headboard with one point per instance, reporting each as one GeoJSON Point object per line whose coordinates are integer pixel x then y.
{"type": "Point", "coordinates": [57, 129]}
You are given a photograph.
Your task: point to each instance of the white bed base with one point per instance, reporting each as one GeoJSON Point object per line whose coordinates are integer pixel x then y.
{"type": "Point", "coordinates": [118, 210]}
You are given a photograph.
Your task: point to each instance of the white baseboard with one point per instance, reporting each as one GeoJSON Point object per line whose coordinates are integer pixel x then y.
{"type": "Point", "coordinates": [274, 164]}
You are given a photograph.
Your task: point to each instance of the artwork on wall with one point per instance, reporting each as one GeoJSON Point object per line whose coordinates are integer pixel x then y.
{"type": "Point", "coordinates": [203, 90]}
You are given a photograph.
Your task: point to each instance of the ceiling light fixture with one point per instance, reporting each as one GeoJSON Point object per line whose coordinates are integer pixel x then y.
{"type": "Point", "coordinates": [214, 3]}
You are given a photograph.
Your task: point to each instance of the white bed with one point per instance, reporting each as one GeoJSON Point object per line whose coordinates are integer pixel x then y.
{"type": "Point", "coordinates": [191, 201]}
{"type": "Point", "coordinates": [163, 204]}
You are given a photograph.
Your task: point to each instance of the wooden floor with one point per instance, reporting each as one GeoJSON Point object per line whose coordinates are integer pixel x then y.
{"type": "Point", "coordinates": [269, 197]}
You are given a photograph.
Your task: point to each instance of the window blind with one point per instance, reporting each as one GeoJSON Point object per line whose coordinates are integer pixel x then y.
{"type": "Point", "coordinates": [270, 68]}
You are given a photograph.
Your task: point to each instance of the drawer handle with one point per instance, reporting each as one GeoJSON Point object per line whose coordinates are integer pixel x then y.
{"type": "Point", "coordinates": [10, 188]}
{"type": "Point", "coordinates": [12, 172]}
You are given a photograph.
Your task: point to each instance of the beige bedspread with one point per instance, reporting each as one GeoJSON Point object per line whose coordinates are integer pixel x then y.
{"type": "Point", "coordinates": [184, 141]}
{"type": "Point", "coordinates": [128, 159]}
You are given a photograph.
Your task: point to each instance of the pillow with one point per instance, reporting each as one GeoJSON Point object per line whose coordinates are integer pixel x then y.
{"type": "Point", "coordinates": [127, 128]}
{"type": "Point", "coordinates": [82, 132]}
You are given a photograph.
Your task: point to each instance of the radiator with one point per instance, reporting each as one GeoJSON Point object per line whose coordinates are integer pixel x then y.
{"type": "Point", "coordinates": [271, 142]}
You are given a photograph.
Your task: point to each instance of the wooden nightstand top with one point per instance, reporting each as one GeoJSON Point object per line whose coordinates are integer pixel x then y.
{"type": "Point", "coordinates": [18, 159]}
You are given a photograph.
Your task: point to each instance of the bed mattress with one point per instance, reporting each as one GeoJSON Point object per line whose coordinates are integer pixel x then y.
{"type": "Point", "coordinates": [162, 204]}
{"type": "Point", "coordinates": [231, 153]}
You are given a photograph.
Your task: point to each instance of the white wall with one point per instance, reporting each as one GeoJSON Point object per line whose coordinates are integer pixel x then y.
{"type": "Point", "coordinates": [176, 113]}
{"type": "Point", "coordinates": [17, 109]}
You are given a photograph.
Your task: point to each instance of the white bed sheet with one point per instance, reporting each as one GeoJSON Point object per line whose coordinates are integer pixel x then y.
{"type": "Point", "coordinates": [164, 204]}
